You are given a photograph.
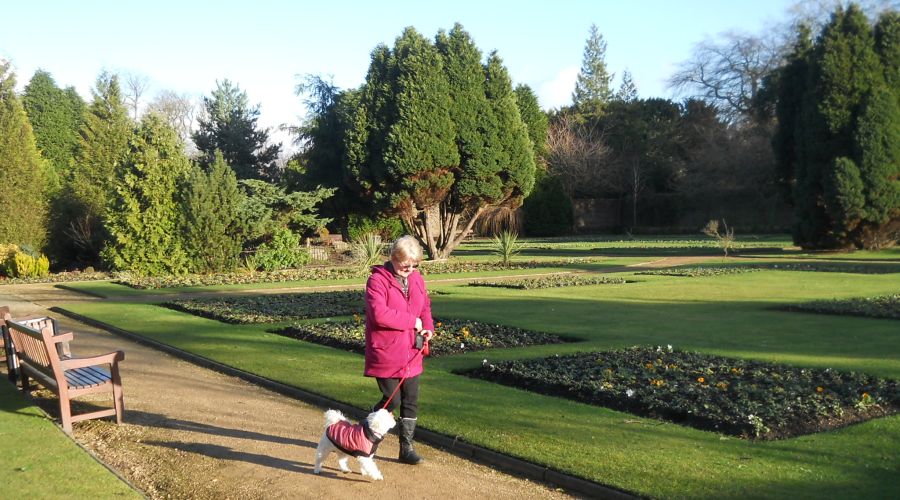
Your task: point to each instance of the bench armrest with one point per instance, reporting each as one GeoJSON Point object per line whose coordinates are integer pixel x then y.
{"type": "Point", "coordinates": [110, 358]}
{"type": "Point", "coordinates": [63, 337]}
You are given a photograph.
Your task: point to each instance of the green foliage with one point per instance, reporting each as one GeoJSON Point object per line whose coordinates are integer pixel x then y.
{"type": "Point", "coordinates": [838, 140]}
{"type": "Point", "coordinates": [368, 250]}
{"type": "Point", "coordinates": [389, 228]}
{"type": "Point", "coordinates": [534, 118]}
{"type": "Point", "coordinates": [268, 208]}
{"type": "Point", "coordinates": [505, 246]}
{"type": "Point", "coordinates": [229, 125]}
{"type": "Point", "coordinates": [22, 171]}
{"type": "Point", "coordinates": [283, 251]}
{"type": "Point", "coordinates": [143, 218]}
{"type": "Point", "coordinates": [211, 225]}
{"type": "Point", "coordinates": [424, 142]}
{"type": "Point", "coordinates": [105, 135]}
{"type": "Point", "coordinates": [24, 262]}
{"type": "Point", "coordinates": [548, 210]}
{"type": "Point", "coordinates": [55, 115]}
{"type": "Point", "coordinates": [592, 87]}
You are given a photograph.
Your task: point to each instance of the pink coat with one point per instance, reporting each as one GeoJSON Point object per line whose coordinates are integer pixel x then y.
{"type": "Point", "coordinates": [391, 322]}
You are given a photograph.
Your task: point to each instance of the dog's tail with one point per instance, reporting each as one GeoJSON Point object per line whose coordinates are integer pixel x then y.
{"type": "Point", "coordinates": [333, 417]}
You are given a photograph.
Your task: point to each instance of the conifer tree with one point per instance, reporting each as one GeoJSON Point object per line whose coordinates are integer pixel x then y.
{"type": "Point", "coordinates": [592, 87]}
{"type": "Point", "coordinates": [104, 136]}
{"type": "Point", "coordinates": [22, 171]}
{"type": "Point", "coordinates": [627, 90]}
{"type": "Point", "coordinates": [229, 125]}
{"type": "Point", "coordinates": [211, 225]}
{"type": "Point", "coordinates": [839, 135]}
{"type": "Point", "coordinates": [55, 115]}
{"type": "Point", "coordinates": [535, 120]}
{"type": "Point", "coordinates": [143, 216]}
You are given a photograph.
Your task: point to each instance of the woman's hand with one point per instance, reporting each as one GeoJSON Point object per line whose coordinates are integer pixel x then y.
{"type": "Point", "coordinates": [418, 324]}
{"type": "Point", "coordinates": [427, 334]}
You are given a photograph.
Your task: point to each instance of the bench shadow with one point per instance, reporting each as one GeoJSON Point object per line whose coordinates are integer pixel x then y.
{"type": "Point", "coordinates": [156, 420]}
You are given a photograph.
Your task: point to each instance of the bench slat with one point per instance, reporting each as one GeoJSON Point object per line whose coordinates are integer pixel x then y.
{"type": "Point", "coordinates": [86, 377]}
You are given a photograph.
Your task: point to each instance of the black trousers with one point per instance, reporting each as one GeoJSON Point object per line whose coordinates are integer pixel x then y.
{"type": "Point", "coordinates": [407, 397]}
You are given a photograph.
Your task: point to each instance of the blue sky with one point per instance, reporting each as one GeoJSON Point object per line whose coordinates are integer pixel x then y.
{"type": "Point", "coordinates": [264, 45]}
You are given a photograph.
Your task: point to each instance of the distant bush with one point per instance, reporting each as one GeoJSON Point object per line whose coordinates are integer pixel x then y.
{"type": "Point", "coordinates": [389, 228]}
{"type": "Point", "coordinates": [283, 252]}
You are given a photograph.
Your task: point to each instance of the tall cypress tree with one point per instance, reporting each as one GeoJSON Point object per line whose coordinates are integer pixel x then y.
{"type": "Point", "coordinates": [839, 134]}
{"type": "Point", "coordinates": [22, 171]}
{"type": "Point", "coordinates": [144, 213]}
{"type": "Point", "coordinates": [534, 118]}
{"type": "Point", "coordinates": [55, 115]}
{"type": "Point", "coordinates": [105, 132]}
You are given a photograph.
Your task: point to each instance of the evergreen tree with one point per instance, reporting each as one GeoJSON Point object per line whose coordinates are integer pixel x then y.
{"type": "Point", "coordinates": [548, 209]}
{"type": "Point", "coordinates": [144, 214]}
{"type": "Point", "coordinates": [229, 125]}
{"type": "Point", "coordinates": [628, 90]}
{"type": "Point", "coordinates": [105, 133]}
{"type": "Point", "coordinates": [211, 227]}
{"type": "Point", "coordinates": [405, 154]}
{"type": "Point", "coordinates": [22, 171]}
{"type": "Point", "coordinates": [516, 169]}
{"type": "Point", "coordinates": [592, 87]}
{"type": "Point", "coordinates": [840, 132]}
{"type": "Point", "coordinates": [535, 120]}
{"type": "Point", "coordinates": [55, 115]}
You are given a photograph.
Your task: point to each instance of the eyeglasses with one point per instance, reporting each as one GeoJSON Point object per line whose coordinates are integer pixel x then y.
{"type": "Point", "coordinates": [407, 265]}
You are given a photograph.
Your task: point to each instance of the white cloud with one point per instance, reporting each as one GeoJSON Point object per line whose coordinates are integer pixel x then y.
{"type": "Point", "coordinates": [557, 92]}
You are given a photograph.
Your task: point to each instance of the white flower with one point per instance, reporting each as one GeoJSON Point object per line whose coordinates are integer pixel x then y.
{"type": "Point", "coordinates": [669, 347]}
{"type": "Point", "coordinates": [629, 393]}
{"type": "Point", "coordinates": [484, 361]}
{"type": "Point", "coordinates": [462, 346]}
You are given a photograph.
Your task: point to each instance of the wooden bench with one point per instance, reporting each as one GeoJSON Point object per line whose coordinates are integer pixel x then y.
{"type": "Point", "coordinates": [40, 356]}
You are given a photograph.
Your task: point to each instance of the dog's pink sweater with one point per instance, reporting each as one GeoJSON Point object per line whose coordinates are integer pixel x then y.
{"type": "Point", "coordinates": [352, 439]}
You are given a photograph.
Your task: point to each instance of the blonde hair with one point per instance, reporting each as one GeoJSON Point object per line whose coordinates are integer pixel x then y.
{"type": "Point", "coordinates": [405, 248]}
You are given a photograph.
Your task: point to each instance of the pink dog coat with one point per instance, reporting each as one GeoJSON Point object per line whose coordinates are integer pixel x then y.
{"type": "Point", "coordinates": [355, 440]}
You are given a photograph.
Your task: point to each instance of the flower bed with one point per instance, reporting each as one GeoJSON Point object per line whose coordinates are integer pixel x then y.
{"type": "Point", "coordinates": [313, 273]}
{"type": "Point", "coordinates": [273, 308]}
{"type": "Point", "coordinates": [452, 336]}
{"type": "Point", "coordinates": [882, 306]}
{"type": "Point", "coordinates": [693, 272]}
{"type": "Point", "coordinates": [63, 277]}
{"type": "Point", "coordinates": [555, 281]}
{"type": "Point", "coordinates": [750, 399]}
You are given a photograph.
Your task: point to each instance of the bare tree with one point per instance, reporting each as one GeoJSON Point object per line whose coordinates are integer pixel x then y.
{"type": "Point", "coordinates": [135, 87]}
{"type": "Point", "coordinates": [577, 153]}
{"type": "Point", "coordinates": [728, 72]}
{"type": "Point", "coordinates": [179, 111]}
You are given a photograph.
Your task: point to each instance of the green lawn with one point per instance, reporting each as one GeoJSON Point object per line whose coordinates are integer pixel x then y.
{"type": "Point", "coordinates": [30, 470]}
{"type": "Point", "coordinates": [730, 315]}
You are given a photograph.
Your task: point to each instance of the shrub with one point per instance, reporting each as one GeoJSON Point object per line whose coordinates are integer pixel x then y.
{"type": "Point", "coordinates": [389, 228]}
{"type": "Point", "coordinates": [19, 264]}
{"type": "Point", "coordinates": [283, 252]}
{"type": "Point", "coordinates": [506, 246]}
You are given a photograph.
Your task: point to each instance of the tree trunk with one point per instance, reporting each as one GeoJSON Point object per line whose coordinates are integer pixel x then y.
{"type": "Point", "coordinates": [436, 229]}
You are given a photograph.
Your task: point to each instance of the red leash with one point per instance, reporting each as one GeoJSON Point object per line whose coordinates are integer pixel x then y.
{"type": "Point", "coordinates": [422, 350]}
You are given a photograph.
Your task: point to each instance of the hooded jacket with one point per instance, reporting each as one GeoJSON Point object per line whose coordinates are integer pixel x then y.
{"type": "Point", "coordinates": [390, 324]}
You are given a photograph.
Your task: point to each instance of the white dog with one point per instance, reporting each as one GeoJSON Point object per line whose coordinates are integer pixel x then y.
{"type": "Point", "coordinates": [360, 440]}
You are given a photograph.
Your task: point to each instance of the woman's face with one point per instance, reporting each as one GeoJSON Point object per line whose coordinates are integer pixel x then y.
{"type": "Point", "coordinates": [404, 267]}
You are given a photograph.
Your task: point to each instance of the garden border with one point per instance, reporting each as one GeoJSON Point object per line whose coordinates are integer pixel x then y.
{"type": "Point", "coordinates": [453, 445]}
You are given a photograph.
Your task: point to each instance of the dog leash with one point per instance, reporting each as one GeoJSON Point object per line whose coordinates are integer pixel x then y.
{"type": "Point", "coordinates": [386, 403]}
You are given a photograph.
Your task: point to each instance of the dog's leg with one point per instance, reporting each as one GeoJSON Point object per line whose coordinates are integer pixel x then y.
{"type": "Point", "coordinates": [342, 462]}
{"type": "Point", "coordinates": [368, 468]}
{"type": "Point", "coordinates": [322, 452]}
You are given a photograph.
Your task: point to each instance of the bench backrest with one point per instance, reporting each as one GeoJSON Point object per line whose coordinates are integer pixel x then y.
{"type": "Point", "coordinates": [34, 345]}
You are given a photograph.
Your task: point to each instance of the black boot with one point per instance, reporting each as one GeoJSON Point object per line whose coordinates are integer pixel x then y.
{"type": "Point", "coordinates": [407, 453]}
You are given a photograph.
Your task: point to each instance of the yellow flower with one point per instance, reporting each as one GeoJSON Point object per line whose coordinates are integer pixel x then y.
{"type": "Point", "coordinates": [820, 389]}
{"type": "Point", "coordinates": [438, 324]}
{"type": "Point", "coordinates": [701, 380]}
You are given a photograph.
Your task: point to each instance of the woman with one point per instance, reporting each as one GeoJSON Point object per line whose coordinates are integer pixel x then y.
{"type": "Point", "coordinates": [397, 310]}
